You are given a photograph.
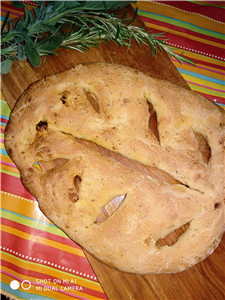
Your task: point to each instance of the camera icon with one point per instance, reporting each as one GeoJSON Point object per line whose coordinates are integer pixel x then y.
{"type": "Point", "coordinates": [25, 284]}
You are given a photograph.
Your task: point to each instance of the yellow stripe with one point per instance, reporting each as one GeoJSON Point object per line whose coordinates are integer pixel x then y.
{"type": "Point", "coordinates": [2, 145]}
{"type": "Point", "coordinates": [201, 71]}
{"type": "Point", "coordinates": [202, 81]}
{"type": "Point", "coordinates": [42, 240]}
{"type": "Point", "coordinates": [49, 271]}
{"type": "Point", "coordinates": [7, 159]}
{"type": "Point", "coordinates": [23, 206]}
{"type": "Point", "coordinates": [2, 97]}
{"type": "Point", "coordinates": [183, 34]}
{"type": "Point", "coordinates": [198, 89]}
{"type": "Point", "coordinates": [185, 16]}
{"type": "Point", "coordinates": [10, 169]}
{"type": "Point", "coordinates": [195, 56]}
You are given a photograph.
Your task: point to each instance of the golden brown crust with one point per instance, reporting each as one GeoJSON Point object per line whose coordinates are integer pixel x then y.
{"type": "Point", "coordinates": [109, 105]}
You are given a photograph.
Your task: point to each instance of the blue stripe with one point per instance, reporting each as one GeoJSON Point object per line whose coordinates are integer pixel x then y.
{"type": "Point", "coordinates": [4, 152]}
{"type": "Point", "coordinates": [221, 104]}
{"type": "Point", "coordinates": [3, 123]}
{"type": "Point", "coordinates": [184, 22]}
{"type": "Point", "coordinates": [25, 217]}
{"type": "Point", "coordinates": [200, 76]}
{"type": "Point", "coordinates": [5, 117]}
{"type": "Point", "coordinates": [3, 19]}
{"type": "Point", "coordinates": [21, 294]}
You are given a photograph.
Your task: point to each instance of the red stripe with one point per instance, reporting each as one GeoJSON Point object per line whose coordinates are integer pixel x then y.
{"type": "Point", "coordinates": [31, 3]}
{"type": "Point", "coordinates": [216, 13]}
{"type": "Point", "coordinates": [11, 13]}
{"type": "Point", "coordinates": [205, 63]}
{"type": "Point", "coordinates": [49, 279]}
{"type": "Point", "coordinates": [4, 120]}
{"type": "Point", "coordinates": [213, 2]}
{"type": "Point", "coordinates": [191, 45]}
{"type": "Point", "coordinates": [13, 185]}
{"type": "Point", "coordinates": [26, 272]}
{"type": "Point", "coordinates": [10, 7]}
{"type": "Point", "coordinates": [45, 254]}
{"type": "Point", "coordinates": [219, 100]}
{"type": "Point", "coordinates": [183, 29]}
{"type": "Point", "coordinates": [195, 46]}
{"type": "Point", "coordinates": [39, 232]}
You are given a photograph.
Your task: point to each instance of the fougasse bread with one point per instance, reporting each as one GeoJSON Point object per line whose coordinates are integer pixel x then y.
{"type": "Point", "coordinates": [110, 106]}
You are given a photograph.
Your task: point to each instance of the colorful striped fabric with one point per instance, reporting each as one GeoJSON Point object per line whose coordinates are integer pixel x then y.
{"type": "Point", "coordinates": [217, 3]}
{"type": "Point", "coordinates": [35, 254]}
{"type": "Point", "coordinates": [197, 29]}
{"type": "Point", "coordinates": [6, 6]}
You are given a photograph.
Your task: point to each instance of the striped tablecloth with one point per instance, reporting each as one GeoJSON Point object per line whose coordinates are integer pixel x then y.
{"type": "Point", "coordinates": [34, 252]}
{"type": "Point", "coordinates": [38, 261]}
{"type": "Point", "coordinates": [196, 28]}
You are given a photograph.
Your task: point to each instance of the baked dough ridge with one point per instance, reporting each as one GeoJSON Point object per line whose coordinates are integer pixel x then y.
{"type": "Point", "coordinates": [108, 105]}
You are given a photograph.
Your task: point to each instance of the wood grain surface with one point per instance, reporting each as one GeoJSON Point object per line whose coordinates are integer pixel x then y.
{"type": "Point", "coordinates": [203, 281]}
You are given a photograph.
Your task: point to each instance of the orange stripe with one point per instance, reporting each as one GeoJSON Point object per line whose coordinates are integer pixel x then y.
{"type": "Point", "coordinates": [22, 206]}
{"type": "Point", "coordinates": [35, 290]}
{"type": "Point", "coordinates": [206, 59]}
{"type": "Point", "coordinates": [10, 169]}
{"type": "Point", "coordinates": [48, 271]}
{"type": "Point", "coordinates": [7, 159]}
{"type": "Point", "coordinates": [42, 240]}
{"type": "Point", "coordinates": [201, 71]}
{"type": "Point", "coordinates": [183, 34]}
{"type": "Point", "coordinates": [182, 15]}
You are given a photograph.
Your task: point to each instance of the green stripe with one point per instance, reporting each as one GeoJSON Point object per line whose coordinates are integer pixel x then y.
{"type": "Point", "coordinates": [10, 173]}
{"type": "Point", "coordinates": [205, 90]}
{"type": "Point", "coordinates": [5, 110]}
{"type": "Point", "coordinates": [206, 4]}
{"type": "Point", "coordinates": [182, 24]}
{"type": "Point", "coordinates": [203, 77]}
{"type": "Point", "coordinates": [32, 223]}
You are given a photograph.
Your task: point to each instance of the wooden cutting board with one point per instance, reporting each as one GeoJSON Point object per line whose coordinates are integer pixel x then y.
{"type": "Point", "coordinates": [203, 281]}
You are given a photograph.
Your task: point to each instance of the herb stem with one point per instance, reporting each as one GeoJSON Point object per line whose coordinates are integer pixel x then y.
{"type": "Point", "coordinates": [77, 26]}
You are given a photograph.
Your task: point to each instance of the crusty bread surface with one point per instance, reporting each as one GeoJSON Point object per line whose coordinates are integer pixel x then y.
{"type": "Point", "coordinates": [111, 105]}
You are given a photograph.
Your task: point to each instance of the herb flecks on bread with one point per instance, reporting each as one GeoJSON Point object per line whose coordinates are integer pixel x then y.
{"type": "Point", "coordinates": [92, 128]}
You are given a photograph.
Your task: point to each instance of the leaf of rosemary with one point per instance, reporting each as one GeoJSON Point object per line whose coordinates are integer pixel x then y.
{"type": "Point", "coordinates": [75, 25]}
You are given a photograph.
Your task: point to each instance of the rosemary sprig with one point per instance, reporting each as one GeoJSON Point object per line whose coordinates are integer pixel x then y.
{"type": "Point", "coordinates": [75, 25]}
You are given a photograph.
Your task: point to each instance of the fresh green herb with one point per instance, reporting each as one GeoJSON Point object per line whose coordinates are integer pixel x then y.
{"type": "Point", "coordinates": [75, 25]}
